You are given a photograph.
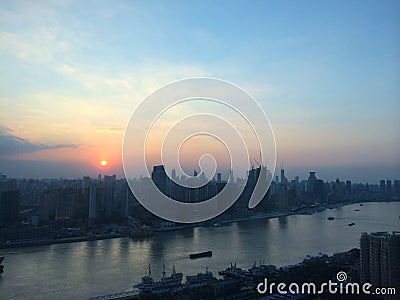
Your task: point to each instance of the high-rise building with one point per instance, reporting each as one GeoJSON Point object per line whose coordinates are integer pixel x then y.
{"type": "Point", "coordinates": [59, 204]}
{"type": "Point", "coordinates": [382, 187]}
{"type": "Point", "coordinates": [92, 202]}
{"type": "Point", "coordinates": [311, 181]}
{"type": "Point", "coordinates": [388, 188]}
{"type": "Point", "coordinates": [283, 178]}
{"type": "Point", "coordinates": [396, 186]}
{"type": "Point", "coordinates": [160, 178]}
{"type": "Point", "coordinates": [297, 179]}
{"type": "Point", "coordinates": [319, 191]}
{"type": "Point", "coordinates": [219, 177]}
{"type": "Point", "coordinates": [260, 173]}
{"type": "Point", "coordinates": [282, 197]}
{"type": "Point", "coordinates": [337, 192]}
{"type": "Point", "coordinates": [85, 182]}
{"type": "Point", "coordinates": [380, 259]}
{"type": "Point", "coordinates": [348, 186]}
{"type": "Point", "coordinates": [110, 178]}
{"type": "Point", "coordinates": [125, 203]}
{"type": "Point", "coordinates": [9, 202]}
{"type": "Point", "coordinates": [109, 194]}
{"type": "Point", "coordinates": [3, 177]}
{"type": "Point", "coordinates": [47, 204]}
{"type": "Point", "coordinates": [64, 208]}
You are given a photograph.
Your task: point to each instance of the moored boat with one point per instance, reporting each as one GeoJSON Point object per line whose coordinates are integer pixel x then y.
{"type": "Point", "coordinates": [234, 271]}
{"type": "Point", "coordinates": [165, 285]}
{"type": "Point", "coordinates": [200, 279]}
{"type": "Point", "coordinates": [262, 270]}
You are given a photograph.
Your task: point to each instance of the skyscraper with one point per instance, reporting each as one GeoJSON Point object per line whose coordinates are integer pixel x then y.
{"type": "Point", "coordinates": [348, 186]}
{"type": "Point", "coordinates": [283, 178]}
{"type": "Point", "coordinates": [92, 202]}
{"type": "Point", "coordinates": [160, 178]}
{"type": "Point", "coordinates": [282, 197]}
{"type": "Point", "coordinates": [382, 187]}
{"type": "Point", "coordinates": [396, 186]}
{"type": "Point", "coordinates": [64, 207]}
{"type": "Point", "coordinates": [388, 188]}
{"type": "Point", "coordinates": [380, 259]}
{"type": "Point", "coordinates": [9, 202]}
{"type": "Point", "coordinates": [219, 177]}
{"type": "Point", "coordinates": [311, 181]}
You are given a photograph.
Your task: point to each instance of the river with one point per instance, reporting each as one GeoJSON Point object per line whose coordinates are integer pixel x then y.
{"type": "Point", "coordinates": [86, 269]}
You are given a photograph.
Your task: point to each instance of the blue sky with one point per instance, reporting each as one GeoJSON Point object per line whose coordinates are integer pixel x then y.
{"type": "Point", "coordinates": [327, 75]}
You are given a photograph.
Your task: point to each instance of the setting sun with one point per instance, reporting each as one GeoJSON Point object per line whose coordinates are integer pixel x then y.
{"type": "Point", "coordinates": [103, 163]}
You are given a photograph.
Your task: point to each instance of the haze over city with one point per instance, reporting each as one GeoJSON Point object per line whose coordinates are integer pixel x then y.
{"type": "Point", "coordinates": [326, 74]}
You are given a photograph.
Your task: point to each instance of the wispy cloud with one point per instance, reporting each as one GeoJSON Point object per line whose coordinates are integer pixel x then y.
{"type": "Point", "coordinates": [12, 144]}
{"type": "Point", "coordinates": [109, 130]}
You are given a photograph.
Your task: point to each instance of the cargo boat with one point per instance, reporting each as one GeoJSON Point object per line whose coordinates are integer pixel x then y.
{"type": "Point", "coordinates": [200, 254]}
{"type": "Point", "coordinates": [165, 285]}
{"type": "Point", "coordinates": [199, 280]}
{"type": "Point", "coordinates": [262, 270]}
{"type": "Point", "coordinates": [234, 272]}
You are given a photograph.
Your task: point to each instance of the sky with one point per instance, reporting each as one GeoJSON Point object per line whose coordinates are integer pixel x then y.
{"type": "Point", "coordinates": [326, 73]}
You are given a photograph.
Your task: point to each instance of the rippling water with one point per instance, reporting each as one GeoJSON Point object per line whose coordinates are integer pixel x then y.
{"type": "Point", "coordinates": [86, 269]}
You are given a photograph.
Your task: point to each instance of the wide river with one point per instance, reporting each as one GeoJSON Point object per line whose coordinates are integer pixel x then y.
{"type": "Point", "coordinates": [86, 269]}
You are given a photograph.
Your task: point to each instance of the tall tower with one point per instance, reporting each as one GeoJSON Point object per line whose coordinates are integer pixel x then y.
{"type": "Point", "coordinates": [160, 179]}
{"type": "Point", "coordinates": [219, 177]}
{"type": "Point", "coordinates": [92, 202]}
{"type": "Point", "coordinates": [388, 188]}
{"type": "Point", "coordinates": [382, 187]}
{"type": "Point", "coordinates": [282, 197]}
{"type": "Point", "coordinates": [283, 178]}
{"type": "Point", "coordinates": [311, 182]}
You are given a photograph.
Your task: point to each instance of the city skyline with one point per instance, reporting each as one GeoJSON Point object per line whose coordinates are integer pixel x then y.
{"type": "Point", "coordinates": [73, 72]}
{"type": "Point", "coordinates": [199, 149]}
{"type": "Point", "coordinates": [220, 175]}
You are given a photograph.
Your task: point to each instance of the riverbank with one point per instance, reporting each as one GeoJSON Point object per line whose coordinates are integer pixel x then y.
{"type": "Point", "coordinates": [86, 269]}
{"type": "Point", "coordinates": [319, 269]}
{"type": "Point", "coordinates": [42, 242]}
{"type": "Point", "coordinates": [258, 216]}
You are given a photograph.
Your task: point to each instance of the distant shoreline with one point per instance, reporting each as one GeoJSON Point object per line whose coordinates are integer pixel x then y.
{"type": "Point", "coordinates": [260, 216]}
{"type": "Point", "coordinates": [61, 241]}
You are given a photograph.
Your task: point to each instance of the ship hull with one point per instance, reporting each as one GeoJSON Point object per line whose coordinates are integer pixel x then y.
{"type": "Point", "coordinates": [201, 254]}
